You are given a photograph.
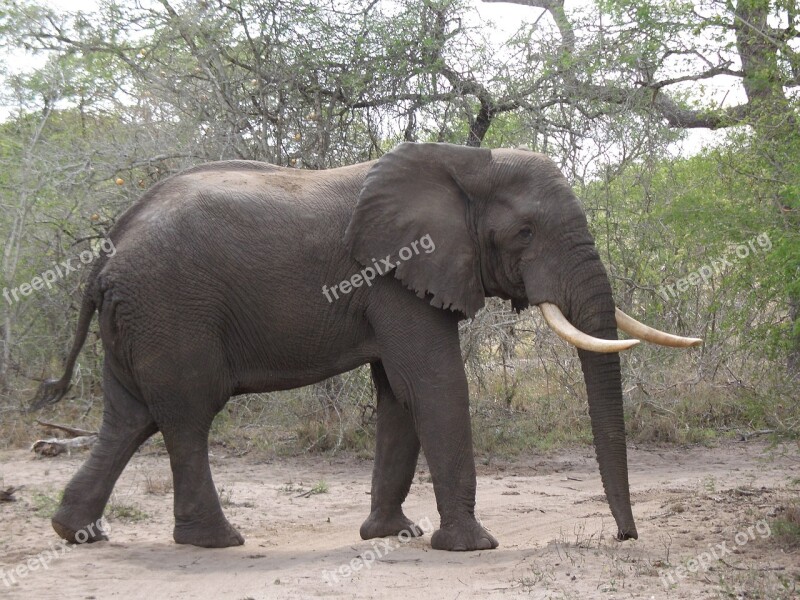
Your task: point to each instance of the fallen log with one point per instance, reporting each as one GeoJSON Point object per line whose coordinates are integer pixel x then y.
{"type": "Point", "coordinates": [56, 446]}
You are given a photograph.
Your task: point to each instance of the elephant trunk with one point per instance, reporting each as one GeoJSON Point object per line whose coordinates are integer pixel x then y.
{"type": "Point", "coordinates": [603, 387]}
{"type": "Point", "coordinates": [584, 296]}
{"type": "Point", "coordinates": [591, 309]}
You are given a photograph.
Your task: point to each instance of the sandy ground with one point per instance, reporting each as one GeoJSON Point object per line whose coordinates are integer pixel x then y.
{"type": "Point", "coordinates": [554, 527]}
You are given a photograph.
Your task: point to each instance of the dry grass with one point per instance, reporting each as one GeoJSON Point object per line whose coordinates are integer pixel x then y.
{"type": "Point", "coordinates": [158, 485]}
{"type": "Point", "coordinates": [526, 391]}
{"type": "Point", "coordinates": [786, 526]}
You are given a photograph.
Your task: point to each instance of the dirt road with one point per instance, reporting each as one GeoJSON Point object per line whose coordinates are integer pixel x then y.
{"type": "Point", "coordinates": [554, 527]}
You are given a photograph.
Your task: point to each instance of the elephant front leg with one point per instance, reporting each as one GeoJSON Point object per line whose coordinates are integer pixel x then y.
{"type": "Point", "coordinates": [396, 453]}
{"type": "Point", "coordinates": [446, 435]}
{"type": "Point", "coordinates": [424, 368]}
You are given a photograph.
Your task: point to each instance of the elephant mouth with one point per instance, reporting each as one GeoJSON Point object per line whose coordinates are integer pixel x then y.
{"type": "Point", "coordinates": [641, 332]}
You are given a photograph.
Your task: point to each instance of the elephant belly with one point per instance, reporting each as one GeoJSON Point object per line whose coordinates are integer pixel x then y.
{"type": "Point", "coordinates": [278, 374]}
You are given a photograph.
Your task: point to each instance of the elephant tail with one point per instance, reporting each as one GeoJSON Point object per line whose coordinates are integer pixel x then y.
{"type": "Point", "coordinates": [52, 390]}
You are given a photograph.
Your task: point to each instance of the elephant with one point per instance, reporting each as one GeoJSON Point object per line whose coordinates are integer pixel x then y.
{"type": "Point", "coordinates": [238, 277]}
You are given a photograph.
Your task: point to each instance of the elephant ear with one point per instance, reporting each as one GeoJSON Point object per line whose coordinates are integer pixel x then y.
{"type": "Point", "coordinates": [424, 191]}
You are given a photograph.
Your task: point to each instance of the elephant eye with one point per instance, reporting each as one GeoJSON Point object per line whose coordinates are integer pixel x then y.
{"type": "Point", "coordinates": [525, 234]}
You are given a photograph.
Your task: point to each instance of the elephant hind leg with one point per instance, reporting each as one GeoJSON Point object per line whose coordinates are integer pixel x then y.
{"type": "Point", "coordinates": [199, 519]}
{"type": "Point", "coordinates": [396, 453]}
{"type": "Point", "coordinates": [127, 423]}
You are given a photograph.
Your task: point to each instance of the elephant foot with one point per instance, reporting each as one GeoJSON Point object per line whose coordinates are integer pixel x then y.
{"type": "Point", "coordinates": [78, 530]}
{"type": "Point", "coordinates": [207, 533]}
{"type": "Point", "coordinates": [463, 536]}
{"type": "Point", "coordinates": [380, 524]}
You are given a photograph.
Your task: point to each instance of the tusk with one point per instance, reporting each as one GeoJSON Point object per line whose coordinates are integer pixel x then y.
{"type": "Point", "coordinates": [632, 327]}
{"type": "Point", "coordinates": [558, 323]}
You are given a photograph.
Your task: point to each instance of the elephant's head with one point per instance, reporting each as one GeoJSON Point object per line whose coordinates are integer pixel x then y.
{"type": "Point", "coordinates": [506, 223]}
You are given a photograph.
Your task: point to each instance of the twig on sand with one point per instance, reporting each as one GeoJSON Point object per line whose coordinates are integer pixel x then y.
{"type": "Point", "coordinates": [727, 564]}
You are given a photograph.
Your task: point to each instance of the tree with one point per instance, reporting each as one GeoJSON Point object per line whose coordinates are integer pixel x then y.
{"type": "Point", "coordinates": [605, 88]}
{"type": "Point", "coordinates": [643, 52]}
{"type": "Point", "coordinates": [639, 56]}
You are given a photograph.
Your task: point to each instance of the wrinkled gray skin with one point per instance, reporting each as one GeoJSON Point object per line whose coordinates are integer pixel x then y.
{"type": "Point", "coordinates": [216, 289]}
